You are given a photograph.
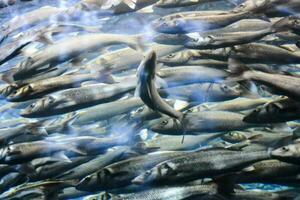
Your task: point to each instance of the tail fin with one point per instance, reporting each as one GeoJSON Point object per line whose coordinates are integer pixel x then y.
{"type": "Point", "coordinates": [8, 76]}
{"type": "Point", "coordinates": [236, 70]}
{"type": "Point", "coordinates": [104, 76]}
{"type": "Point", "coordinates": [281, 25]}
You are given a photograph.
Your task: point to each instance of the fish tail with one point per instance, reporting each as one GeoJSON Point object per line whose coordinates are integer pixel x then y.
{"type": "Point", "coordinates": [105, 76]}
{"type": "Point", "coordinates": [236, 70]}
{"type": "Point", "coordinates": [8, 76]}
{"type": "Point", "coordinates": [281, 25]}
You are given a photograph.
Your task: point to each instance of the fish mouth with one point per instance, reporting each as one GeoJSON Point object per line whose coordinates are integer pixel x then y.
{"type": "Point", "coordinates": [12, 98]}
{"type": "Point", "coordinates": [138, 180]}
{"type": "Point", "coordinates": [25, 113]}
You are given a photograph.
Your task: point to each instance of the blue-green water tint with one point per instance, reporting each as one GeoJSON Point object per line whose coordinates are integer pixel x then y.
{"type": "Point", "coordinates": [128, 23]}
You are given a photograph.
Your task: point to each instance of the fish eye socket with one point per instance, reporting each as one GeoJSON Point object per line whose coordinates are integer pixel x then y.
{"type": "Point", "coordinates": [171, 56]}
{"type": "Point", "coordinates": [165, 122]}
{"type": "Point", "coordinates": [32, 105]}
{"type": "Point", "coordinates": [139, 110]}
{"type": "Point", "coordinates": [285, 148]}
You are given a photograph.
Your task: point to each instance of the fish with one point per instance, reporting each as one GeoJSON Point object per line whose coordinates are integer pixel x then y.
{"type": "Point", "coordinates": [43, 75]}
{"type": "Point", "coordinates": [127, 58]}
{"type": "Point", "coordinates": [288, 153]}
{"type": "Point", "coordinates": [50, 170]}
{"type": "Point", "coordinates": [72, 99]}
{"type": "Point", "coordinates": [211, 57]}
{"type": "Point", "coordinates": [277, 111]}
{"type": "Point", "coordinates": [178, 24]}
{"type": "Point", "coordinates": [235, 105]}
{"type": "Point", "coordinates": [8, 134]}
{"type": "Point", "coordinates": [146, 88]}
{"type": "Point", "coordinates": [202, 122]}
{"type": "Point", "coordinates": [95, 164]}
{"type": "Point", "coordinates": [270, 8]}
{"type": "Point", "coordinates": [176, 76]}
{"type": "Point", "coordinates": [42, 87]}
{"type": "Point", "coordinates": [22, 151]}
{"type": "Point", "coordinates": [265, 139]}
{"type": "Point", "coordinates": [174, 143]}
{"type": "Point", "coordinates": [203, 92]}
{"type": "Point", "coordinates": [106, 110]}
{"type": "Point", "coordinates": [266, 171]}
{"type": "Point", "coordinates": [41, 34]}
{"type": "Point", "coordinates": [66, 50]}
{"type": "Point", "coordinates": [224, 37]}
{"type": "Point", "coordinates": [200, 165]}
{"type": "Point", "coordinates": [177, 3]}
{"type": "Point", "coordinates": [264, 53]}
{"type": "Point", "coordinates": [160, 193]}
{"type": "Point", "coordinates": [283, 84]}
{"type": "Point", "coordinates": [31, 19]}
{"type": "Point", "coordinates": [121, 173]}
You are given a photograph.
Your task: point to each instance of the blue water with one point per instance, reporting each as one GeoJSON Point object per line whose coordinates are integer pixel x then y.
{"type": "Point", "coordinates": [128, 23]}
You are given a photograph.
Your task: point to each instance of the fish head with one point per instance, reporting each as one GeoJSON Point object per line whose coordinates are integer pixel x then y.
{"type": "Point", "coordinates": [167, 25]}
{"type": "Point", "coordinates": [231, 90]}
{"type": "Point", "coordinates": [293, 22]}
{"type": "Point", "coordinates": [139, 112]}
{"type": "Point", "coordinates": [251, 5]}
{"type": "Point", "coordinates": [7, 90]}
{"type": "Point", "coordinates": [199, 41]}
{"type": "Point", "coordinates": [96, 181]}
{"type": "Point", "coordinates": [234, 137]}
{"type": "Point", "coordinates": [40, 106]}
{"type": "Point", "coordinates": [267, 112]}
{"type": "Point", "coordinates": [20, 93]}
{"type": "Point", "coordinates": [165, 125]}
{"type": "Point", "coordinates": [291, 151]}
{"type": "Point", "coordinates": [179, 57]}
{"type": "Point", "coordinates": [155, 174]}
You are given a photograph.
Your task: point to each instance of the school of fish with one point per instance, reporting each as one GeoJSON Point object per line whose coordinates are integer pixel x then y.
{"type": "Point", "coordinates": [150, 100]}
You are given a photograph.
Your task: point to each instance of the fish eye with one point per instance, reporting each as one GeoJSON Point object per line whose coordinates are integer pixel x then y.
{"type": "Point", "coordinates": [171, 56]}
{"type": "Point", "coordinates": [165, 122]}
{"type": "Point", "coordinates": [32, 105]}
{"type": "Point", "coordinates": [148, 173]}
{"type": "Point", "coordinates": [256, 110]}
{"type": "Point", "coordinates": [139, 110]}
{"type": "Point", "coordinates": [285, 148]}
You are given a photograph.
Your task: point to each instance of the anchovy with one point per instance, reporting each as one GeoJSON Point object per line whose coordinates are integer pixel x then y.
{"type": "Point", "coordinates": [201, 164]}
{"type": "Point", "coordinates": [121, 173]}
{"type": "Point", "coordinates": [73, 99]}
{"type": "Point", "coordinates": [202, 122]}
